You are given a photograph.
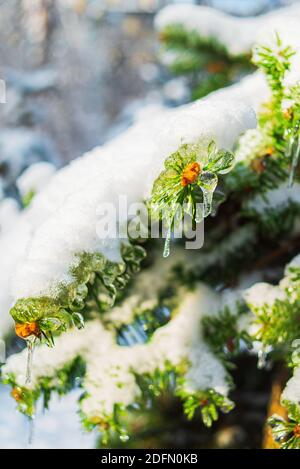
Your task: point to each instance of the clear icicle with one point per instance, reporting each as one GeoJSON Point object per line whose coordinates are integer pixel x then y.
{"type": "Point", "coordinates": [30, 349]}
{"type": "Point", "coordinates": [208, 183]}
{"type": "Point", "coordinates": [290, 146]}
{"type": "Point", "coordinates": [295, 157]}
{"type": "Point", "coordinates": [166, 252]}
{"type": "Point", "coordinates": [207, 201]}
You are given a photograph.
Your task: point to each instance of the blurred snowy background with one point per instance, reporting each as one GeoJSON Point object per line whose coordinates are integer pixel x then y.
{"type": "Point", "coordinates": [77, 72]}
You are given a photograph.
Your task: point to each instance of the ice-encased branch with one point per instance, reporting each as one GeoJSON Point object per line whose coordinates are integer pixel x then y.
{"type": "Point", "coordinates": [114, 374]}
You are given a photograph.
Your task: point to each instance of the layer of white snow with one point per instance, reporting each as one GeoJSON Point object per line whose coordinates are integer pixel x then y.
{"type": "Point", "coordinates": [63, 218]}
{"type": "Point", "coordinates": [291, 392]}
{"type": "Point", "coordinates": [35, 178]}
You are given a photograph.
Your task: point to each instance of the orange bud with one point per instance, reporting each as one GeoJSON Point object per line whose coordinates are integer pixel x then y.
{"type": "Point", "coordinates": [269, 151]}
{"type": "Point", "coordinates": [203, 402]}
{"type": "Point", "coordinates": [216, 67]}
{"type": "Point", "coordinates": [16, 393]}
{"type": "Point", "coordinates": [230, 345]}
{"type": "Point", "coordinates": [100, 422]}
{"type": "Point", "coordinates": [190, 174]}
{"type": "Point", "coordinates": [26, 330]}
{"type": "Point", "coordinates": [296, 431]}
{"type": "Point", "coordinates": [287, 114]}
{"type": "Point", "coordinates": [258, 165]}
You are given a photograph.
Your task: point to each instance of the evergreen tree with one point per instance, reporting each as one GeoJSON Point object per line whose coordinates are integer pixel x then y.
{"type": "Point", "coordinates": [129, 320]}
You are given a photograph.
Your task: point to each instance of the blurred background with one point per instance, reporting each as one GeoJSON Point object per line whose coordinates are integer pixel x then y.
{"type": "Point", "coordinates": [77, 72]}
